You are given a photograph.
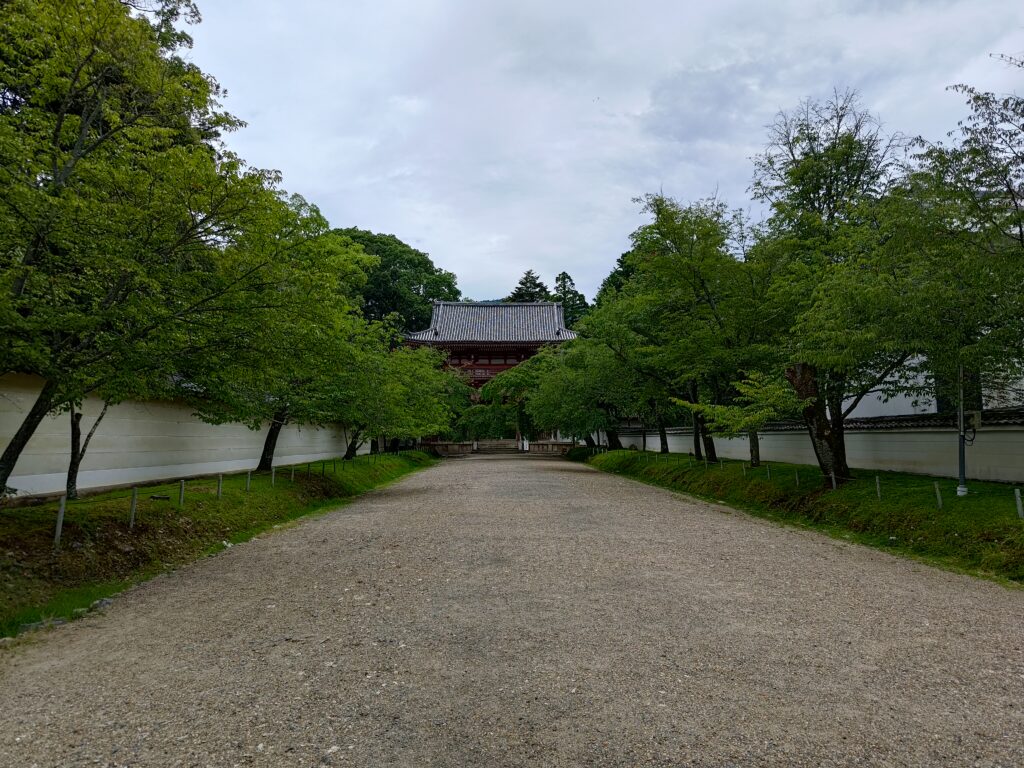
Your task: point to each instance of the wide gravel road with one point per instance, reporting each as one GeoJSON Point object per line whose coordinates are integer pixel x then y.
{"type": "Point", "coordinates": [530, 612]}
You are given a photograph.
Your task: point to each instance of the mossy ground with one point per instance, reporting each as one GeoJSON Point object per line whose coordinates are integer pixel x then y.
{"type": "Point", "coordinates": [979, 533]}
{"type": "Point", "coordinates": [100, 555]}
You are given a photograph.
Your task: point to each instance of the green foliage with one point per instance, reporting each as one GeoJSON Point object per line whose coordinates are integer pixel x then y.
{"type": "Point", "coordinates": [876, 273]}
{"type": "Point", "coordinates": [578, 453]}
{"type": "Point", "coordinates": [529, 289]}
{"type": "Point", "coordinates": [574, 304]}
{"type": "Point", "coordinates": [487, 421]}
{"type": "Point", "coordinates": [403, 283]}
{"type": "Point", "coordinates": [616, 279]}
{"type": "Point", "coordinates": [760, 399]}
{"type": "Point", "coordinates": [140, 258]}
{"type": "Point", "coordinates": [580, 388]}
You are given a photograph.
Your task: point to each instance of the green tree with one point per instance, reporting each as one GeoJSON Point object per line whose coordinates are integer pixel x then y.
{"type": "Point", "coordinates": [826, 172]}
{"type": "Point", "coordinates": [529, 289]}
{"type": "Point", "coordinates": [403, 283]}
{"type": "Point", "coordinates": [616, 280]}
{"type": "Point", "coordinates": [282, 361]}
{"type": "Point", "coordinates": [582, 389]}
{"type": "Point", "coordinates": [574, 304]}
{"type": "Point", "coordinates": [965, 203]}
{"type": "Point", "coordinates": [119, 209]}
{"type": "Point", "coordinates": [686, 318]}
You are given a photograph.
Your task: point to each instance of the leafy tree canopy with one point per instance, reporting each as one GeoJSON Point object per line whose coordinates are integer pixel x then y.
{"type": "Point", "coordinates": [404, 282]}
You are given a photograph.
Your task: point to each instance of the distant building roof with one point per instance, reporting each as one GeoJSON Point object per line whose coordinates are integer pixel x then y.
{"type": "Point", "coordinates": [457, 321]}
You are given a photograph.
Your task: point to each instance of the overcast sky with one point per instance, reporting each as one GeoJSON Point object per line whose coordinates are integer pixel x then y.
{"type": "Point", "coordinates": [501, 135]}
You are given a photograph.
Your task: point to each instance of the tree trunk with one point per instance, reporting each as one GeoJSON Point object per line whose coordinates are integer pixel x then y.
{"type": "Point", "coordinates": [697, 420]}
{"type": "Point", "coordinates": [827, 436]}
{"type": "Point", "coordinates": [353, 445]}
{"type": "Point", "coordinates": [755, 448]}
{"type": "Point", "coordinates": [589, 440]}
{"type": "Point", "coordinates": [71, 486]}
{"type": "Point", "coordinates": [662, 435]}
{"type": "Point", "coordinates": [270, 444]}
{"type": "Point", "coordinates": [709, 442]}
{"type": "Point", "coordinates": [613, 440]}
{"type": "Point", "coordinates": [43, 404]}
{"type": "Point", "coordinates": [78, 448]}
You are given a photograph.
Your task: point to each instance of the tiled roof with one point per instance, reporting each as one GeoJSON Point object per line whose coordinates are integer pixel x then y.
{"type": "Point", "coordinates": [455, 321]}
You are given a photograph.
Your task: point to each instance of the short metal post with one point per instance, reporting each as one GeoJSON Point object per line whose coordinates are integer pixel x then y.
{"type": "Point", "coordinates": [878, 487]}
{"type": "Point", "coordinates": [248, 479]}
{"type": "Point", "coordinates": [705, 462]}
{"type": "Point", "coordinates": [220, 486]}
{"type": "Point", "coordinates": [273, 476]}
{"type": "Point", "coordinates": [768, 467]}
{"type": "Point", "coordinates": [744, 466]}
{"type": "Point", "coordinates": [293, 474]}
{"type": "Point", "coordinates": [833, 480]}
{"type": "Point", "coordinates": [131, 510]}
{"type": "Point", "coordinates": [181, 493]}
{"type": "Point", "coordinates": [1020, 506]}
{"type": "Point", "coordinates": [938, 494]}
{"type": "Point", "coordinates": [60, 523]}
{"type": "Point", "coordinates": [796, 472]}
{"type": "Point", "coordinates": [323, 469]}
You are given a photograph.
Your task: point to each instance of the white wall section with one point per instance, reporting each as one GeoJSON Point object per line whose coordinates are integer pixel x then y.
{"type": "Point", "coordinates": [997, 453]}
{"type": "Point", "coordinates": [143, 442]}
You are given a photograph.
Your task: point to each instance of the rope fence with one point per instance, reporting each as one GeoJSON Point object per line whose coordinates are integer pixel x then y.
{"type": "Point", "coordinates": [162, 490]}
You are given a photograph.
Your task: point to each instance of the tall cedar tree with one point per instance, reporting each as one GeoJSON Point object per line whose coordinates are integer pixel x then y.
{"type": "Point", "coordinates": [574, 303]}
{"type": "Point", "coordinates": [529, 289]}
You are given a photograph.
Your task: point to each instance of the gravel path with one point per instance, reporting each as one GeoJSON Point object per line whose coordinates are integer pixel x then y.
{"type": "Point", "coordinates": [530, 612]}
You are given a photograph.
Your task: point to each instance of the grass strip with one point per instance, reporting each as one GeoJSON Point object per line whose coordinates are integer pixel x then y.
{"type": "Point", "coordinates": [100, 555]}
{"type": "Point", "coordinates": [979, 534]}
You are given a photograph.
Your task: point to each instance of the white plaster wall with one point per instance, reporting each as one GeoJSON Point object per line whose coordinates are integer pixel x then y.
{"type": "Point", "coordinates": [875, 404]}
{"type": "Point", "coordinates": [141, 442]}
{"type": "Point", "coordinates": [997, 453]}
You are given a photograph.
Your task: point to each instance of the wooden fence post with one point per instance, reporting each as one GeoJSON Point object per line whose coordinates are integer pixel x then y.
{"type": "Point", "coordinates": [60, 523]}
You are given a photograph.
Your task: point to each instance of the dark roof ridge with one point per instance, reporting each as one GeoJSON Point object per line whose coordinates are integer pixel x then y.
{"type": "Point", "coordinates": [511, 321]}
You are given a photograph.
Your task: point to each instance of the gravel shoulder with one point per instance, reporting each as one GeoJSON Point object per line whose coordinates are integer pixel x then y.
{"type": "Point", "coordinates": [512, 611]}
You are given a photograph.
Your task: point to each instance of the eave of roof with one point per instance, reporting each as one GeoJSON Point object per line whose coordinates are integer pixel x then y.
{"type": "Point", "coordinates": [482, 322]}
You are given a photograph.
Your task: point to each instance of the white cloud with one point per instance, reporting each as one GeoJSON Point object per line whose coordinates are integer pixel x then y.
{"type": "Point", "coordinates": [501, 136]}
